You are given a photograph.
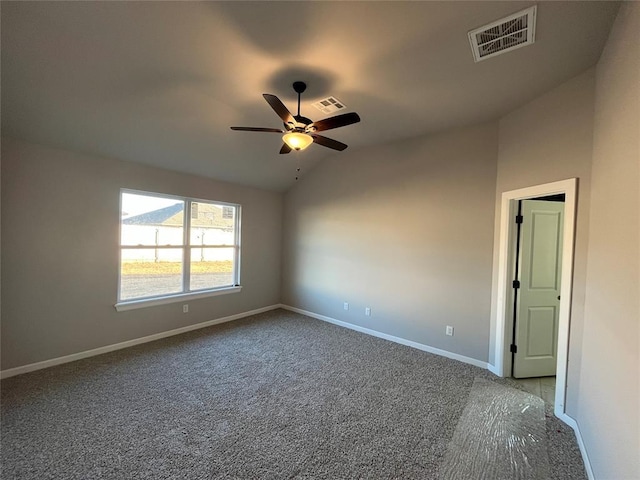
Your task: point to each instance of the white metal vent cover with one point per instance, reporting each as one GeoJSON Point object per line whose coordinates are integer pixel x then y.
{"type": "Point", "coordinates": [329, 105]}
{"type": "Point", "coordinates": [504, 35]}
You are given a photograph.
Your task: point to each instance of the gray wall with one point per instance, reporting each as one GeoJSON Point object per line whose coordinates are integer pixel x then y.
{"type": "Point", "coordinates": [404, 228]}
{"type": "Point", "coordinates": [609, 395]}
{"type": "Point", "coordinates": [65, 206]}
{"type": "Point", "coordinates": [550, 139]}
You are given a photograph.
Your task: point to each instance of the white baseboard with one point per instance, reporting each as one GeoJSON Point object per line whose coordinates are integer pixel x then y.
{"type": "Point", "coordinates": [12, 372]}
{"type": "Point", "coordinates": [583, 450]}
{"type": "Point", "coordinates": [402, 341]}
{"type": "Point", "coordinates": [493, 369]}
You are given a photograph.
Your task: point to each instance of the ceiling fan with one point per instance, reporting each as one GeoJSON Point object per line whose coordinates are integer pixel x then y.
{"type": "Point", "coordinates": [300, 132]}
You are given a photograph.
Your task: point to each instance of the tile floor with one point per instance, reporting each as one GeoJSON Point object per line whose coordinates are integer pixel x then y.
{"type": "Point", "coordinates": [543, 387]}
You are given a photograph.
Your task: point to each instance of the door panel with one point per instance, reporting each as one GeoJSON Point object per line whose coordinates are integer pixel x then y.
{"type": "Point", "coordinates": [541, 338]}
{"type": "Point", "coordinates": [545, 250]}
{"type": "Point", "coordinates": [536, 322]}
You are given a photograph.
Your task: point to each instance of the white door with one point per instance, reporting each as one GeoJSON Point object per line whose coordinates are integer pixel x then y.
{"type": "Point", "coordinates": [540, 265]}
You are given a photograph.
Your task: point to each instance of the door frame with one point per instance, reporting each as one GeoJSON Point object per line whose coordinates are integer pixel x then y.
{"type": "Point", "coordinates": [504, 321]}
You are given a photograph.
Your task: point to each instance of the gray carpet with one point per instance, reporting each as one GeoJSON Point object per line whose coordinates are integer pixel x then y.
{"type": "Point", "coordinates": [277, 395]}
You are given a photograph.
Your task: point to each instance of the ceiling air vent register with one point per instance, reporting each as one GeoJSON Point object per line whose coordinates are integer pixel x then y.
{"type": "Point", "coordinates": [504, 35]}
{"type": "Point", "coordinates": [329, 105]}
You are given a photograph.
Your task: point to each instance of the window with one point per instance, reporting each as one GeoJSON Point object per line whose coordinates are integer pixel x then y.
{"type": "Point", "coordinates": [227, 212]}
{"type": "Point", "coordinates": [165, 253]}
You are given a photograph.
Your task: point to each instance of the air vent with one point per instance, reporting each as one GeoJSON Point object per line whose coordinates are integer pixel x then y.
{"type": "Point", "coordinates": [329, 105]}
{"type": "Point", "coordinates": [504, 35]}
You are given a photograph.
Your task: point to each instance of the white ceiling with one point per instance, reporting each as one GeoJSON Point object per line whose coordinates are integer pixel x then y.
{"type": "Point", "coordinates": [161, 82]}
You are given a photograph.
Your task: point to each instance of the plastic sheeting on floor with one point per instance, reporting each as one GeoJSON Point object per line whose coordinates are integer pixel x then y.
{"type": "Point", "coordinates": [501, 434]}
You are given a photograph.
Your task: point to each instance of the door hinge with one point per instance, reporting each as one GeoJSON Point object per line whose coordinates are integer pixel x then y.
{"type": "Point", "coordinates": [518, 218]}
{"type": "Point", "coordinates": [513, 348]}
{"type": "Point", "coordinates": [516, 284]}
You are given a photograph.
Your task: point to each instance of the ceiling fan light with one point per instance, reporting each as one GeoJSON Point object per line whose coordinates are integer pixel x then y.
{"type": "Point", "coordinates": [297, 140]}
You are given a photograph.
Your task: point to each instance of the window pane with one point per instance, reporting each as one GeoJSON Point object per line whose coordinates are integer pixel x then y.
{"type": "Point", "coordinates": [150, 220]}
{"type": "Point", "coordinates": [211, 267]}
{"type": "Point", "coordinates": [212, 224]}
{"type": "Point", "coordinates": [150, 272]}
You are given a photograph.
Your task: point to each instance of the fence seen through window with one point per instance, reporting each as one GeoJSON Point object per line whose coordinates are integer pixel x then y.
{"type": "Point", "coordinates": [165, 252]}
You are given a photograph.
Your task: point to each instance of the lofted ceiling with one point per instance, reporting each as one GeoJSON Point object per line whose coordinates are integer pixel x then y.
{"type": "Point", "coordinates": [160, 83]}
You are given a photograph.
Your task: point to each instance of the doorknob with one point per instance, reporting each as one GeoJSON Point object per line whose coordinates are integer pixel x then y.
{"type": "Point", "coordinates": [558, 297]}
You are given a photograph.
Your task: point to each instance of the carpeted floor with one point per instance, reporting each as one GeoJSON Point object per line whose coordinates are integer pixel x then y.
{"type": "Point", "coordinates": [277, 395]}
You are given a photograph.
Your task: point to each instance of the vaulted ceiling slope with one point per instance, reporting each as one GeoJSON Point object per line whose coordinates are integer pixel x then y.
{"type": "Point", "coordinates": [161, 82]}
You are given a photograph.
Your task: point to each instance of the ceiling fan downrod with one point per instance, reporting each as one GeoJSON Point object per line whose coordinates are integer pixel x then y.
{"type": "Point", "coordinates": [299, 88]}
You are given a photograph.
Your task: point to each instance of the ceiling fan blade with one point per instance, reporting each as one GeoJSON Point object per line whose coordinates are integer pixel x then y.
{"type": "Point", "coordinates": [334, 122]}
{"type": "Point", "coordinates": [285, 149]}
{"type": "Point", "coordinates": [279, 108]}
{"type": "Point", "coordinates": [328, 142]}
{"type": "Point", "coordinates": [257, 129]}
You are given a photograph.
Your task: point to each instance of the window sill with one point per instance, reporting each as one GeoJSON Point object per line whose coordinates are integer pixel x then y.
{"type": "Point", "coordinates": [181, 297]}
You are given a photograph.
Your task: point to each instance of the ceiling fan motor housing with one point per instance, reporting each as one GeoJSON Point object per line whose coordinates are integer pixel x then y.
{"type": "Point", "coordinates": [301, 124]}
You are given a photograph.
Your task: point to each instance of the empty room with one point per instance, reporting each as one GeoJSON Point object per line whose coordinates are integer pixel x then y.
{"type": "Point", "coordinates": [320, 240]}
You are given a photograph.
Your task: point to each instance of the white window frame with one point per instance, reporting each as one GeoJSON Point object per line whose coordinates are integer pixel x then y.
{"type": "Point", "coordinates": [186, 293]}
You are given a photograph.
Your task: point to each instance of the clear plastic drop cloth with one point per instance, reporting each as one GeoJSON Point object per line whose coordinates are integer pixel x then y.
{"type": "Point", "coordinates": [501, 435]}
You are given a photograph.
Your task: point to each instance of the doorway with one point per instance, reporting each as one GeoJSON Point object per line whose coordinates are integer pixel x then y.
{"type": "Point", "coordinates": [535, 294]}
{"type": "Point", "coordinates": [504, 324]}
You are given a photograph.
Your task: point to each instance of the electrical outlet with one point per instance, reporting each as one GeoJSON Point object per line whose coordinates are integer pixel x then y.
{"type": "Point", "coordinates": [346, 305]}
{"type": "Point", "coordinates": [449, 330]}
{"type": "Point", "coordinates": [367, 311]}
{"type": "Point", "coordinates": [185, 308]}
